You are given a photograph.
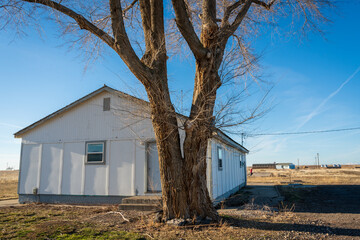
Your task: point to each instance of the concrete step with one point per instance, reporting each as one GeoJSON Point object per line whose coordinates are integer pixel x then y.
{"type": "Point", "coordinates": [142, 200]}
{"type": "Point", "coordinates": [139, 207]}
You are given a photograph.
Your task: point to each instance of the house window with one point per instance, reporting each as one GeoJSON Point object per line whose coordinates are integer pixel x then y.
{"type": "Point", "coordinates": [106, 104]}
{"type": "Point", "coordinates": [238, 156]}
{"type": "Point", "coordinates": [220, 157]}
{"type": "Point", "coordinates": [95, 152]}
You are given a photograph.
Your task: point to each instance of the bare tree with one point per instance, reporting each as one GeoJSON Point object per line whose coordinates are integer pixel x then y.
{"type": "Point", "coordinates": [214, 31]}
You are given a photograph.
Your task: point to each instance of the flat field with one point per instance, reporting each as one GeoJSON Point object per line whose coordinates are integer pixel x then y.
{"type": "Point", "coordinates": [322, 176]}
{"type": "Point", "coordinates": [8, 184]}
{"type": "Point", "coordinates": [320, 211]}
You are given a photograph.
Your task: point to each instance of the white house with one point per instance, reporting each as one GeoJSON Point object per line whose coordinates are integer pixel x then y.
{"type": "Point", "coordinates": [101, 148]}
{"type": "Point", "coordinates": [285, 166]}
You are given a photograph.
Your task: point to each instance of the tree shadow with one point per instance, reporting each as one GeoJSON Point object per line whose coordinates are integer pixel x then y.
{"type": "Point", "coordinates": [261, 225]}
{"type": "Point", "coordinates": [323, 198]}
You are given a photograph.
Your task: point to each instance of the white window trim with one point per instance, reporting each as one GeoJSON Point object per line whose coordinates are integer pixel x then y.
{"type": "Point", "coordinates": [103, 152]}
{"type": "Point", "coordinates": [238, 157]}
{"type": "Point", "coordinates": [222, 158]}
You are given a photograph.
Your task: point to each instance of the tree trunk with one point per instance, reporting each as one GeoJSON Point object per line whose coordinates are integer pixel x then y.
{"type": "Point", "coordinates": [198, 132]}
{"type": "Point", "coordinates": [173, 185]}
{"type": "Point", "coordinates": [183, 180]}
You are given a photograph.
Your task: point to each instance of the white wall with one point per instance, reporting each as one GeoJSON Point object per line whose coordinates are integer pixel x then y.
{"type": "Point", "coordinates": [53, 154]}
{"type": "Point", "coordinates": [29, 174]}
{"type": "Point", "coordinates": [231, 175]}
{"type": "Point", "coordinates": [50, 168]}
{"type": "Point", "coordinates": [61, 169]}
{"type": "Point", "coordinates": [88, 122]}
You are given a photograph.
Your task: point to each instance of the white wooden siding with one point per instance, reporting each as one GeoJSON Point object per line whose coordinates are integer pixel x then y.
{"type": "Point", "coordinates": [29, 168]}
{"type": "Point", "coordinates": [50, 168]}
{"type": "Point", "coordinates": [231, 175]}
{"type": "Point", "coordinates": [53, 155]}
{"type": "Point", "coordinates": [122, 156]}
{"type": "Point", "coordinates": [72, 174]}
{"type": "Point", "coordinates": [89, 122]}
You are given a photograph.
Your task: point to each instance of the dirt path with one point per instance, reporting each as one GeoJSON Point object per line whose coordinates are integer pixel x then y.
{"type": "Point", "coordinates": [8, 203]}
{"type": "Point", "coordinates": [264, 195]}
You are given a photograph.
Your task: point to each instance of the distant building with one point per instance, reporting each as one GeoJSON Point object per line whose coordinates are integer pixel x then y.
{"type": "Point", "coordinates": [285, 166]}
{"type": "Point", "coordinates": [264, 166]}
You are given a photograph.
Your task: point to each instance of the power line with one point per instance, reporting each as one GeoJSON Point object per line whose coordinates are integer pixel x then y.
{"type": "Point", "coordinates": [298, 133]}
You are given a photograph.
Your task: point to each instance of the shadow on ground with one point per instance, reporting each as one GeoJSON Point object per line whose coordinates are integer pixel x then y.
{"type": "Point", "coordinates": [323, 198]}
{"type": "Point", "coordinates": [261, 225]}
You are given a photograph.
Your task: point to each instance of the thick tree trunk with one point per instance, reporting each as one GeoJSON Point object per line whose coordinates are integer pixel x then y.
{"type": "Point", "coordinates": [173, 185]}
{"type": "Point", "coordinates": [184, 186]}
{"type": "Point", "coordinates": [198, 132]}
{"type": "Point", "coordinates": [195, 149]}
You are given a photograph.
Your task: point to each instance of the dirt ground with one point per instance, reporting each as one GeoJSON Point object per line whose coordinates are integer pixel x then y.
{"type": "Point", "coordinates": [306, 212]}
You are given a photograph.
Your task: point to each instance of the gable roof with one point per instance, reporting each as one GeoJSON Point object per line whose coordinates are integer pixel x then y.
{"type": "Point", "coordinates": [217, 134]}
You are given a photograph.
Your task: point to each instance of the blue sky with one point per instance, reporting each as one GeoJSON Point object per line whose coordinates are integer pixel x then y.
{"type": "Point", "coordinates": [38, 77]}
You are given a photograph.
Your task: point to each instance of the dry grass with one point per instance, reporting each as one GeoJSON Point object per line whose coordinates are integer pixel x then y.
{"type": "Point", "coordinates": [8, 184]}
{"type": "Point", "coordinates": [42, 221]}
{"type": "Point", "coordinates": [307, 176]}
{"type": "Point", "coordinates": [46, 221]}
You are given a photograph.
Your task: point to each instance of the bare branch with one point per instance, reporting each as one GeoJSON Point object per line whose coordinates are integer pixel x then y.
{"type": "Point", "coordinates": [267, 6]}
{"type": "Point", "coordinates": [123, 45]}
{"type": "Point", "coordinates": [129, 7]}
{"type": "Point", "coordinates": [187, 29]}
{"type": "Point", "coordinates": [240, 16]}
{"type": "Point", "coordinates": [146, 23]}
{"type": "Point", "coordinates": [229, 10]}
{"type": "Point", "coordinates": [81, 21]}
{"type": "Point", "coordinates": [209, 10]}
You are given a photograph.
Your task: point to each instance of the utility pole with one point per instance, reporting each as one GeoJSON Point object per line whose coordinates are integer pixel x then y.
{"type": "Point", "coordinates": [298, 164]}
{"type": "Point", "coordinates": [242, 139]}
{"type": "Point", "coordinates": [318, 159]}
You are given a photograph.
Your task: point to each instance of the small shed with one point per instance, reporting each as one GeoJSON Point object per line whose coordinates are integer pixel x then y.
{"type": "Point", "coordinates": [101, 148]}
{"type": "Point", "coordinates": [285, 166]}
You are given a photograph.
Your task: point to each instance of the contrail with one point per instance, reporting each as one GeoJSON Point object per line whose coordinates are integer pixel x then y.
{"type": "Point", "coordinates": [9, 125]}
{"type": "Point", "coordinates": [315, 112]}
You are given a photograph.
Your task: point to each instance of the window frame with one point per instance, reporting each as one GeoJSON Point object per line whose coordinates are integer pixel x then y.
{"type": "Point", "coordinates": [87, 153]}
{"type": "Point", "coordinates": [238, 157]}
{"type": "Point", "coordinates": [220, 160]}
{"type": "Point", "coordinates": [106, 104]}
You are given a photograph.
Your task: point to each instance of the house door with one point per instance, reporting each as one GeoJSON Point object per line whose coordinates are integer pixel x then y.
{"type": "Point", "coordinates": [153, 171]}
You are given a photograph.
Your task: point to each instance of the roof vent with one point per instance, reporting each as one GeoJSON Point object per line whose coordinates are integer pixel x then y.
{"type": "Point", "coordinates": [106, 104]}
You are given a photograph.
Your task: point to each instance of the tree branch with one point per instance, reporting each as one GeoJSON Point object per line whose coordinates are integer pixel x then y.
{"type": "Point", "coordinates": [229, 10]}
{"type": "Point", "coordinates": [123, 45]}
{"type": "Point", "coordinates": [81, 21]}
{"type": "Point", "coordinates": [241, 15]}
{"type": "Point", "coordinates": [129, 7]}
{"type": "Point", "coordinates": [146, 23]}
{"type": "Point", "coordinates": [120, 43]}
{"type": "Point", "coordinates": [187, 29]}
{"type": "Point", "coordinates": [267, 6]}
{"type": "Point", "coordinates": [209, 10]}
{"type": "Point", "coordinates": [228, 30]}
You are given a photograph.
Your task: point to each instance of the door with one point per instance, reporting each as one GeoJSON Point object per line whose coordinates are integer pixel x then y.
{"type": "Point", "coordinates": [153, 171]}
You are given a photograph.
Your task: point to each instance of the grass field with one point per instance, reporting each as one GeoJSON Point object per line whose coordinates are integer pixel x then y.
{"type": "Point", "coordinates": [8, 184]}
{"type": "Point", "coordinates": [321, 176]}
